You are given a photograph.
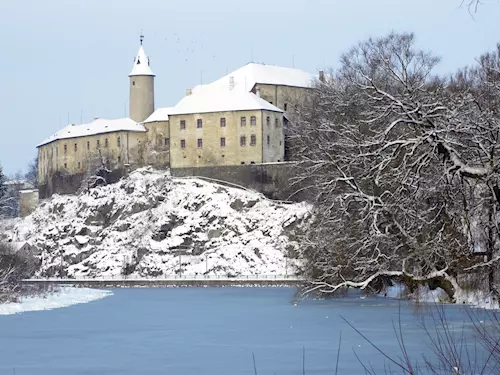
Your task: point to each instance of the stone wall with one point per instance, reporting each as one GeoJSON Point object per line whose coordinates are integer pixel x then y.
{"type": "Point", "coordinates": [61, 183]}
{"type": "Point", "coordinates": [28, 200]}
{"type": "Point", "coordinates": [274, 180]}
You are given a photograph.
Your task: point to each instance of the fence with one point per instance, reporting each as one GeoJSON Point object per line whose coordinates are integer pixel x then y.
{"type": "Point", "coordinates": [171, 278]}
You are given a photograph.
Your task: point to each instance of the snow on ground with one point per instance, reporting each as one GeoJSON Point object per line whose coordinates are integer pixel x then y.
{"type": "Point", "coordinates": [150, 224]}
{"type": "Point", "coordinates": [64, 297]}
{"type": "Point", "coordinates": [477, 299]}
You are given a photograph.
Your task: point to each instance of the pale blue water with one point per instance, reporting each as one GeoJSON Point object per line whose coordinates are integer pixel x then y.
{"type": "Point", "coordinates": [211, 331]}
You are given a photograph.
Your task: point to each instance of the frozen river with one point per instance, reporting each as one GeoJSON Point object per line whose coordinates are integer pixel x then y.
{"type": "Point", "coordinates": [207, 331]}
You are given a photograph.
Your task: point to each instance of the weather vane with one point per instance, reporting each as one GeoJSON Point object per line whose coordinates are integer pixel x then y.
{"type": "Point", "coordinates": [141, 38]}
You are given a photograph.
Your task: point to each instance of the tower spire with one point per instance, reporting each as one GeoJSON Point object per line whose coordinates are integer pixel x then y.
{"type": "Point", "coordinates": [141, 100]}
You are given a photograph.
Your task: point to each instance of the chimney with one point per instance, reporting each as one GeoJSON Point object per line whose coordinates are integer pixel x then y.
{"type": "Point", "coordinates": [231, 83]}
{"type": "Point", "coordinates": [322, 76]}
{"type": "Point", "coordinates": [188, 92]}
{"type": "Point", "coordinates": [258, 92]}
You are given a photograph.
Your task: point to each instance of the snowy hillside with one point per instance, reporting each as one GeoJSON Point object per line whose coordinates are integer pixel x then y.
{"type": "Point", "coordinates": [150, 224]}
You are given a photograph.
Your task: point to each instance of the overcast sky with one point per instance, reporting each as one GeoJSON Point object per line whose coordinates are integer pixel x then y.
{"type": "Point", "coordinates": [63, 58]}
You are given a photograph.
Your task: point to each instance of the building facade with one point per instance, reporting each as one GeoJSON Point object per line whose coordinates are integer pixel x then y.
{"type": "Point", "coordinates": [238, 119]}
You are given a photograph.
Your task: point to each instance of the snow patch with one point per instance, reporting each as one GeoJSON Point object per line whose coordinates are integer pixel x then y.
{"type": "Point", "coordinates": [477, 299]}
{"type": "Point", "coordinates": [424, 294]}
{"type": "Point", "coordinates": [64, 297]}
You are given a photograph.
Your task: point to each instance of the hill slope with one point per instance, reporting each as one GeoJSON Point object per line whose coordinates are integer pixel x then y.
{"type": "Point", "coordinates": [149, 224]}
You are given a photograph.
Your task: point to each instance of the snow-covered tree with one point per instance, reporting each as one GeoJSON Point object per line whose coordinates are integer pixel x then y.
{"type": "Point", "coordinates": [9, 198]}
{"type": "Point", "coordinates": [404, 167]}
{"type": "Point", "coordinates": [3, 179]}
{"type": "Point", "coordinates": [5, 197]}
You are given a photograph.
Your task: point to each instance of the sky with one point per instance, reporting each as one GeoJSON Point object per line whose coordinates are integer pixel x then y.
{"type": "Point", "coordinates": [68, 61]}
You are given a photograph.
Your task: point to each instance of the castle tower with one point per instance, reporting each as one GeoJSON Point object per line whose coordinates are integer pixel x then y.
{"type": "Point", "coordinates": [142, 89]}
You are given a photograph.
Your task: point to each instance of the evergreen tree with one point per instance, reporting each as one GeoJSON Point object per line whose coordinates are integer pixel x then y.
{"type": "Point", "coordinates": [3, 187]}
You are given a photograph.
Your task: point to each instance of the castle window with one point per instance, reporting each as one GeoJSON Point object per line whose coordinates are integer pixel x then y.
{"type": "Point", "coordinates": [253, 140]}
{"type": "Point", "coordinates": [119, 159]}
{"type": "Point", "coordinates": [183, 124]}
{"type": "Point", "coordinates": [286, 106]}
{"type": "Point", "coordinates": [88, 145]}
{"type": "Point", "coordinates": [167, 142]}
{"type": "Point", "coordinates": [133, 83]}
{"type": "Point", "coordinates": [276, 123]}
{"type": "Point", "coordinates": [268, 140]}
{"type": "Point", "coordinates": [76, 147]}
{"type": "Point", "coordinates": [243, 121]}
{"type": "Point", "coordinates": [200, 143]}
{"type": "Point", "coordinates": [242, 163]}
{"type": "Point", "coordinates": [79, 165]}
{"type": "Point", "coordinates": [183, 143]}
{"type": "Point", "coordinates": [253, 121]}
{"type": "Point", "coordinates": [199, 123]}
{"type": "Point", "coordinates": [118, 142]}
{"type": "Point", "coordinates": [65, 165]}
{"type": "Point", "coordinates": [243, 141]}
{"type": "Point", "coordinates": [252, 162]}
{"type": "Point", "coordinates": [223, 142]}
{"type": "Point", "coordinates": [57, 151]}
{"type": "Point", "coordinates": [98, 143]}
{"type": "Point", "coordinates": [268, 120]}
{"type": "Point", "coordinates": [65, 149]}
{"type": "Point", "coordinates": [222, 122]}
{"type": "Point", "coordinates": [106, 142]}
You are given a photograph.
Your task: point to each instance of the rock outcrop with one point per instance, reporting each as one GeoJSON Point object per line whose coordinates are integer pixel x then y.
{"type": "Point", "coordinates": [150, 224]}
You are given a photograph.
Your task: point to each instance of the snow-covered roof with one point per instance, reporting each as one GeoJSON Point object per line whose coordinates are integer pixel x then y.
{"type": "Point", "coordinates": [98, 126]}
{"type": "Point", "coordinates": [161, 114]}
{"type": "Point", "coordinates": [15, 182]}
{"type": "Point", "coordinates": [247, 76]}
{"type": "Point", "coordinates": [141, 64]}
{"type": "Point", "coordinates": [215, 99]}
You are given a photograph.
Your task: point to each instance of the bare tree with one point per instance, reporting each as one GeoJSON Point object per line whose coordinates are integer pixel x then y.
{"type": "Point", "coordinates": [453, 351]}
{"type": "Point", "coordinates": [11, 272]}
{"type": "Point", "coordinates": [404, 167]}
{"type": "Point", "coordinates": [472, 5]}
{"type": "Point", "coordinates": [32, 175]}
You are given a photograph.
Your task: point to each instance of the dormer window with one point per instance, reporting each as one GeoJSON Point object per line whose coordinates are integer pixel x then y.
{"type": "Point", "coordinates": [138, 61]}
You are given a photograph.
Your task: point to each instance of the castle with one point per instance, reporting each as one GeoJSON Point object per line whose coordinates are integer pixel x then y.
{"type": "Point", "coordinates": [236, 120]}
